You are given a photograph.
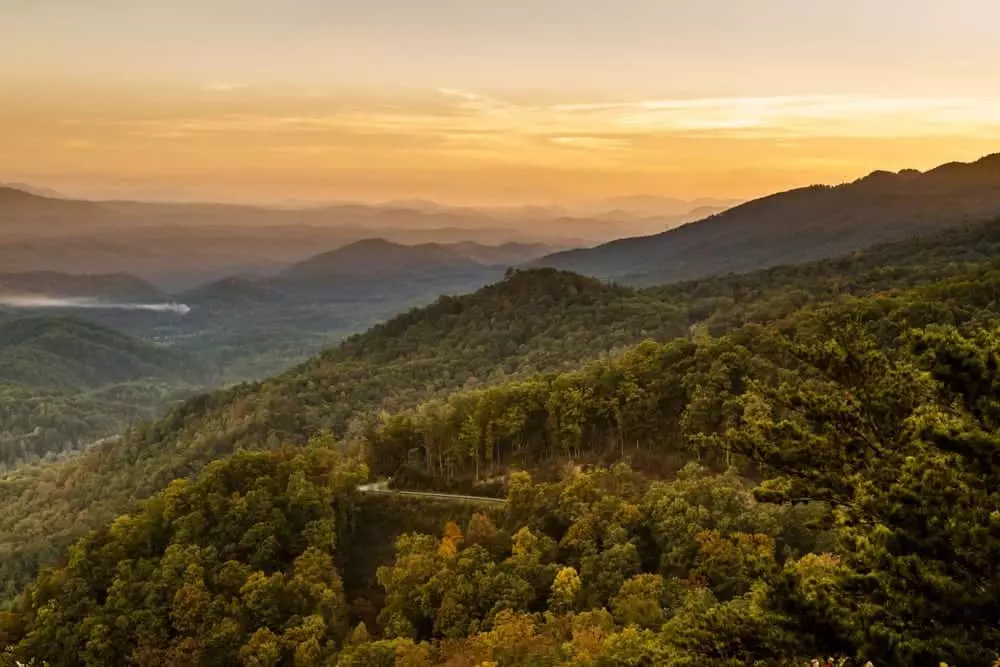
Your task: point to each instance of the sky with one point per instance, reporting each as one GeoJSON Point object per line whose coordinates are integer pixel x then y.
{"type": "Point", "coordinates": [488, 102]}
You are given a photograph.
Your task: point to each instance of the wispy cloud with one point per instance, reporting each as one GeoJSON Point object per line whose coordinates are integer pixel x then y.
{"type": "Point", "coordinates": [224, 87]}
{"type": "Point", "coordinates": [40, 302]}
{"type": "Point", "coordinates": [825, 116]}
{"type": "Point", "coordinates": [458, 112]}
{"type": "Point", "coordinates": [592, 143]}
{"type": "Point", "coordinates": [449, 138]}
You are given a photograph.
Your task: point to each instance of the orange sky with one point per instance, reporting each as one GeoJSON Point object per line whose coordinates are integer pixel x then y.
{"type": "Point", "coordinates": [484, 102]}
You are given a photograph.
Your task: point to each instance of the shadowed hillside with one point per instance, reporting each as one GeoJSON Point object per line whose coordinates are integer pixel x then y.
{"type": "Point", "coordinates": [111, 287]}
{"type": "Point", "coordinates": [800, 225]}
{"type": "Point", "coordinates": [65, 382]}
{"type": "Point", "coordinates": [379, 257]}
{"type": "Point", "coordinates": [62, 352]}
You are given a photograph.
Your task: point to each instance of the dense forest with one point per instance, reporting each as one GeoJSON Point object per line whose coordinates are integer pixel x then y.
{"type": "Point", "coordinates": [654, 400]}
{"type": "Point", "coordinates": [217, 563]}
{"type": "Point", "coordinates": [757, 469]}
{"type": "Point", "coordinates": [534, 321]}
{"type": "Point", "coordinates": [843, 505]}
{"type": "Point", "coordinates": [65, 383]}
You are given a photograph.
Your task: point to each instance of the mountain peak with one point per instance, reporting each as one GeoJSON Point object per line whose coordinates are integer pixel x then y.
{"type": "Point", "coordinates": [376, 257]}
{"type": "Point", "coordinates": [375, 243]}
{"type": "Point", "coordinates": [45, 193]}
{"type": "Point", "coordinates": [113, 286]}
{"type": "Point", "coordinates": [801, 225]}
{"type": "Point", "coordinates": [379, 257]}
{"type": "Point", "coordinates": [11, 193]}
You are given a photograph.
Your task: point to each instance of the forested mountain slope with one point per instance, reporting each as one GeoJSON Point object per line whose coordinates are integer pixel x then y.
{"type": "Point", "coordinates": [720, 303]}
{"type": "Point", "coordinates": [261, 526]}
{"type": "Point", "coordinates": [68, 353]}
{"type": "Point", "coordinates": [65, 382]}
{"type": "Point", "coordinates": [659, 404]}
{"type": "Point", "coordinates": [800, 225]}
{"type": "Point", "coordinates": [534, 321]}
{"type": "Point", "coordinates": [882, 409]}
{"type": "Point", "coordinates": [870, 424]}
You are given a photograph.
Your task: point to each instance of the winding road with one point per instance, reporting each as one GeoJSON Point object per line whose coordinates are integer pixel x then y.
{"type": "Point", "coordinates": [382, 489]}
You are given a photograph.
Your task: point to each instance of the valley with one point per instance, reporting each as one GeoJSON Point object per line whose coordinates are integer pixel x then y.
{"type": "Point", "coordinates": [233, 330]}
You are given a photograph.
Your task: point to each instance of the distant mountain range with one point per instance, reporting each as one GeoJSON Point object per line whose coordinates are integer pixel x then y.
{"type": "Point", "coordinates": [329, 274]}
{"type": "Point", "coordinates": [110, 287]}
{"type": "Point", "coordinates": [180, 246]}
{"type": "Point", "coordinates": [800, 225]}
{"type": "Point", "coordinates": [34, 190]}
{"type": "Point", "coordinates": [29, 215]}
{"type": "Point", "coordinates": [379, 257]}
{"type": "Point", "coordinates": [649, 205]}
{"type": "Point", "coordinates": [269, 295]}
{"type": "Point", "coordinates": [245, 326]}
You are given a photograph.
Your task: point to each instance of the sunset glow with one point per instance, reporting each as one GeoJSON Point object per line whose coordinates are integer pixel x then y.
{"type": "Point", "coordinates": [549, 104]}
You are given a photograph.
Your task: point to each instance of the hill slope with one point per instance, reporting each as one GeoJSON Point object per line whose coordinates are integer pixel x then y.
{"type": "Point", "coordinates": [67, 353]}
{"type": "Point", "coordinates": [533, 321]}
{"type": "Point", "coordinates": [65, 383]}
{"type": "Point", "coordinates": [538, 320]}
{"type": "Point", "coordinates": [379, 257]}
{"type": "Point", "coordinates": [800, 225]}
{"type": "Point", "coordinates": [25, 213]}
{"type": "Point", "coordinates": [372, 257]}
{"type": "Point", "coordinates": [882, 407]}
{"type": "Point", "coordinates": [179, 246]}
{"type": "Point", "coordinates": [111, 286]}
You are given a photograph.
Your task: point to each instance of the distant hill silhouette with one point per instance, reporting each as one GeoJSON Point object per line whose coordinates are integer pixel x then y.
{"type": "Point", "coordinates": [235, 291]}
{"type": "Point", "coordinates": [27, 213]}
{"type": "Point", "coordinates": [372, 257]}
{"type": "Point", "coordinates": [378, 257]}
{"type": "Point", "coordinates": [667, 207]}
{"type": "Point", "coordinates": [112, 286]}
{"type": "Point", "coordinates": [500, 255]}
{"type": "Point", "coordinates": [180, 246]}
{"type": "Point", "coordinates": [37, 190]}
{"type": "Point", "coordinates": [800, 225]}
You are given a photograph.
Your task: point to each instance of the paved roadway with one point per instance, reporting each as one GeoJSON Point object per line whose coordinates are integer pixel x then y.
{"type": "Point", "coordinates": [382, 488]}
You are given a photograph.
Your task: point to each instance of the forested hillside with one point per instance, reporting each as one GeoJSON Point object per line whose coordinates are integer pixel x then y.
{"type": "Point", "coordinates": [855, 406]}
{"type": "Point", "coordinates": [874, 418]}
{"type": "Point", "coordinates": [532, 322]}
{"type": "Point", "coordinates": [661, 405]}
{"type": "Point", "coordinates": [218, 565]}
{"type": "Point", "coordinates": [720, 303]}
{"type": "Point", "coordinates": [800, 225]}
{"type": "Point", "coordinates": [538, 321]}
{"type": "Point", "coordinates": [854, 520]}
{"type": "Point", "coordinates": [65, 383]}
{"type": "Point", "coordinates": [67, 353]}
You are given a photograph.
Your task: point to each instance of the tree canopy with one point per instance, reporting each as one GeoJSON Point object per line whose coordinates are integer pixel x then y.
{"type": "Point", "coordinates": [818, 479]}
